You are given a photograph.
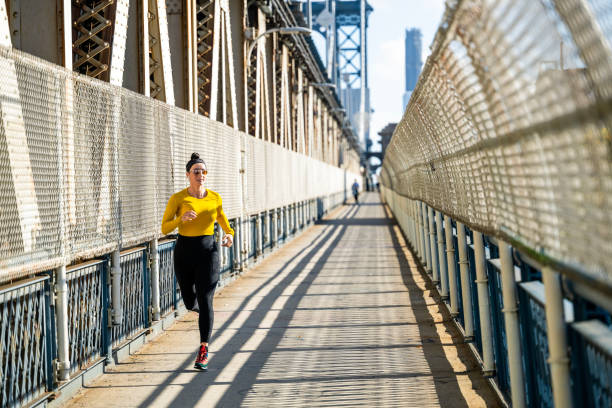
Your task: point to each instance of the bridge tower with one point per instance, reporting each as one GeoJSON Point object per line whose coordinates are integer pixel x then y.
{"type": "Point", "coordinates": [344, 25]}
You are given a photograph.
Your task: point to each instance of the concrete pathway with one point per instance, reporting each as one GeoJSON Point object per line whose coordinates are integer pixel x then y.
{"type": "Point", "coordinates": [338, 317]}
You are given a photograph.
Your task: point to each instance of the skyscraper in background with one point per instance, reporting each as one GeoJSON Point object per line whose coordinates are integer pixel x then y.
{"type": "Point", "coordinates": [413, 62]}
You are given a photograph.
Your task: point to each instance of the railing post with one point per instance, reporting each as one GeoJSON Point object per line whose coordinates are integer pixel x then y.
{"type": "Point", "coordinates": [244, 242]}
{"type": "Point", "coordinates": [417, 220]}
{"type": "Point", "coordinates": [432, 245]}
{"type": "Point", "coordinates": [410, 223]}
{"type": "Point", "coordinates": [416, 244]}
{"type": "Point", "coordinates": [450, 260]}
{"type": "Point", "coordinates": [259, 232]}
{"type": "Point", "coordinates": [300, 222]}
{"type": "Point", "coordinates": [483, 306]}
{"type": "Point", "coordinates": [154, 265]}
{"type": "Point", "coordinates": [290, 218]}
{"type": "Point", "coordinates": [282, 229]}
{"type": "Point", "coordinates": [272, 227]}
{"type": "Point", "coordinates": [236, 246]}
{"type": "Point", "coordinates": [557, 339]}
{"type": "Point", "coordinates": [425, 236]}
{"type": "Point", "coordinates": [311, 211]}
{"type": "Point", "coordinates": [61, 313]}
{"type": "Point", "coordinates": [117, 312]}
{"type": "Point", "coordinates": [223, 250]}
{"type": "Point", "coordinates": [466, 288]}
{"type": "Point", "coordinates": [511, 323]}
{"type": "Point", "coordinates": [408, 211]}
{"type": "Point", "coordinates": [265, 230]}
{"type": "Point", "coordinates": [418, 228]}
{"type": "Point", "coordinates": [441, 257]}
{"type": "Point", "coordinates": [286, 222]}
{"type": "Point", "coordinates": [421, 234]}
{"type": "Point", "coordinates": [281, 222]}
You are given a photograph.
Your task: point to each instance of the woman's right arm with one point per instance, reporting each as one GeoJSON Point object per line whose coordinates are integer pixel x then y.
{"type": "Point", "coordinates": [170, 221]}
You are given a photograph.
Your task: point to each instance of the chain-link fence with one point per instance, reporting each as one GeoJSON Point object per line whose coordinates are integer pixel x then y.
{"type": "Point", "coordinates": [508, 129]}
{"type": "Point", "coordinates": [86, 168]}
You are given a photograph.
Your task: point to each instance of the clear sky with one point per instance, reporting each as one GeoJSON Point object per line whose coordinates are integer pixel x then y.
{"type": "Point", "coordinates": [387, 24]}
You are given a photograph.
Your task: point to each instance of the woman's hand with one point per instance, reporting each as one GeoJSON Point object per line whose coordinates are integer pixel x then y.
{"type": "Point", "coordinates": [227, 241]}
{"type": "Point", "coordinates": [189, 216]}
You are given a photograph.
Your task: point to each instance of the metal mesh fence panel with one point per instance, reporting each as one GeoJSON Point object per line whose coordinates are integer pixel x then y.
{"type": "Point", "coordinates": [257, 183]}
{"type": "Point", "coordinates": [86, 167]}
{"type": "Point", "coordinates": [91, 191]}
{"type": "Point", "coordinates": [508, 129]}
{"type": "Point", "coordinates": [24, 360]}
{"type": "Point", "coordinates": [30, 230]}
{"type": "Point", "coordinates": [137, 172]}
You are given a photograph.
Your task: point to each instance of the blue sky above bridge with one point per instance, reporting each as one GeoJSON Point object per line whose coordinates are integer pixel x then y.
{"type": "Point", "coordinates": [387, 24]}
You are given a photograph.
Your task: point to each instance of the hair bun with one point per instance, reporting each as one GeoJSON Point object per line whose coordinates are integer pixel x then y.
{"type": "Point", "coordinates": [195, 156]}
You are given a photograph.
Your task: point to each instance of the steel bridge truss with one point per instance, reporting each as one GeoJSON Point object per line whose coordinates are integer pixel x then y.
{"type": "Point", "coordinates": [92, 34]}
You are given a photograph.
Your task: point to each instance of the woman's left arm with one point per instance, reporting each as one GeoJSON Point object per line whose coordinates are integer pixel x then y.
{"type": "Point", "coordinates": [228, 239]}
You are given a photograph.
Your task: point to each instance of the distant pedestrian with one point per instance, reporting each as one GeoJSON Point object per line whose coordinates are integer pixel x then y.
{"type": "Point", "coordinates": [194, 211]}
{"type": "Point", "coordinates": [355, 188]}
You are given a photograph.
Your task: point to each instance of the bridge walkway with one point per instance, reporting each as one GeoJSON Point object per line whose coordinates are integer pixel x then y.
{"type": "Point", "coordinates": [340, 316]}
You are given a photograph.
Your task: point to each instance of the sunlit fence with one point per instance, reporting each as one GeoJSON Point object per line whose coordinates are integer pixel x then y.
{"type": "Point", "coordinates": [500, 175]}
{"type": "Point", "coordinates": [87, 168]}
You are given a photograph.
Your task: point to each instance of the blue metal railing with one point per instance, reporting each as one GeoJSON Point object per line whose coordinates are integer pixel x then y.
{"type": "Point", "coordinates": [86, 313]}
{"type": "Point", "coordinates": [538, 390]}
{"type": "Point", "coordinates": [590, 348]}
{"type": "Point", "coordinates": [134, 294]}
{"type": "Point", "coordinates": [496, 305]}
{"type": "Point", "coordinates": [591, 363]}
{"type": "Point", "coordinates": [167, 286]}
{"type": "Point", "coordinates": [26, 342]}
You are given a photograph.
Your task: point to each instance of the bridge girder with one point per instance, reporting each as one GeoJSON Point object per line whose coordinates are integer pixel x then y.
{"type": "Point", "coordinates": [129, 42]}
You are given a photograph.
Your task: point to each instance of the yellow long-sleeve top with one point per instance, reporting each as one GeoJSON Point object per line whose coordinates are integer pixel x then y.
{"type": "Point", "coordinates": [209, 210]}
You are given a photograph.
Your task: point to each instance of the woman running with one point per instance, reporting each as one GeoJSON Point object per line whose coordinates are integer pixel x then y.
{"type": "Point", "coordinates": [194, 211]}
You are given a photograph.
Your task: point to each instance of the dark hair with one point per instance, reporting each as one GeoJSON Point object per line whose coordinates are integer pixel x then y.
{"type": "Point", "coordinates": [195, 158]}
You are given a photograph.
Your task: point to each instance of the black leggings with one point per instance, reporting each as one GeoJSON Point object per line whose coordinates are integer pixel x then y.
{"type": "Point", "coordinates": [196, 265]}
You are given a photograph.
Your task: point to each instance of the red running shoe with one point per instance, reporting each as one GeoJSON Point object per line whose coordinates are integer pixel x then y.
{"type": "Point", "coordinates": [201, 362]}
